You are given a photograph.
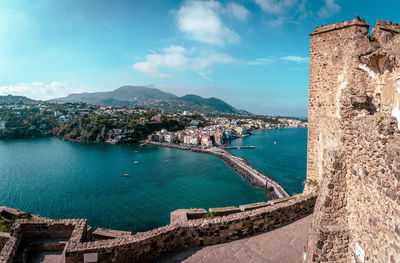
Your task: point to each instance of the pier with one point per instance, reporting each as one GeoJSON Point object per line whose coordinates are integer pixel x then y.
{"type": "Point", "coordinates": [239, 147]}
{"type": "Point", "coordinates": [251, 174]}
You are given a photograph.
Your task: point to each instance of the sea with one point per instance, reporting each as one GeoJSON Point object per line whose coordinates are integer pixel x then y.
{"type": "Point", "coordinates": [60, 179]}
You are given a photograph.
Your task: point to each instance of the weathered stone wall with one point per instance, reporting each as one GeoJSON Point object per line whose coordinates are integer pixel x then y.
{"type": "Point", "coordinates": [353, 150]}
{"type": "Point", "coordinates": [330, 66]}
{"type": "Point", "coordinates": [148, 246]}
{"type": "Point", "coordinates": [4, 237]}
{"type": "Point", "coordinates": [75, 229]}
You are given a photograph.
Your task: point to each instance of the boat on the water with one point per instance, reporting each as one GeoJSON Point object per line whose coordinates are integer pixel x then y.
{"type": "Point", "coordinates": [136, 162]}
{"type": "Point", "coordinates": [126, 175]}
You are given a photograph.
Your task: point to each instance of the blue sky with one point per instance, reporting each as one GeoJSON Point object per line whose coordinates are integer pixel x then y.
{"type": "Point", "coordinates": [252, 54]}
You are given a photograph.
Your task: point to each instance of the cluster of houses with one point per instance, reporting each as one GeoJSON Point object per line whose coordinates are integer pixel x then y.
{"type": "Point", "coordinates": [2, 125]}
{"type": "Point", "coordinates": [194, 136]}
{"type": "Point", "coordinates": [222, 131]}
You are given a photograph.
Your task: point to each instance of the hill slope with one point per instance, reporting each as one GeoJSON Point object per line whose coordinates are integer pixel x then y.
{"type": "Point", "coordinates": [152, 98]}
{"type": "Point", "coordinates": [10, 99]}
{"type": "Point", "coordinates": [135, 94]}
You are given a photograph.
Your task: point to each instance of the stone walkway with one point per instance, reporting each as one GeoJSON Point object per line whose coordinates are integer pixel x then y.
{"type": "Point", "coordinates": [281, 245]}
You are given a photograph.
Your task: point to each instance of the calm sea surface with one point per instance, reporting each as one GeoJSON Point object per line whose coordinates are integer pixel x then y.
{"type": "Point", "coordinates": [285, 161]}
{"type": "Point", "coordinates": [60, 179]}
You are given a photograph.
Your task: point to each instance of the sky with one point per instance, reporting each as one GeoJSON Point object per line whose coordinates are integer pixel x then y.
{"type": "Point", "coordinates": [253, 54]}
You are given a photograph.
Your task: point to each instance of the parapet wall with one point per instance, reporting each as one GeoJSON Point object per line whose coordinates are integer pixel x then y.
{"type": "Point", "coordinates": [148, 246]}
{"type": "Point", "coordinates": [353, 143]}
{"type": "Point", "coordinates": [74, 229]}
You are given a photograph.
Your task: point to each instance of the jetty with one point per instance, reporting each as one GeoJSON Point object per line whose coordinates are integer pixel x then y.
{"type": "Point", "coordinates": [241, 166]}
{"type": "Point", "coordinates": [239, 147]}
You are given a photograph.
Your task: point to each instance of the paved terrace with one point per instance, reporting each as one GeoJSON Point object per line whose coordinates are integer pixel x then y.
{"type": "Point", "coordinates": [281, 245]}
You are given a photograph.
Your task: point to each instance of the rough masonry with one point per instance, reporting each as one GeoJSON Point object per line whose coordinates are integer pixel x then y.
{"type": "Point", "coordinates": [353, 158]}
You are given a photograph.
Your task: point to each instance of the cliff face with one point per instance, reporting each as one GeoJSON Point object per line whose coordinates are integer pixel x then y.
{"type": "Point", "coordinates": [354, 143]}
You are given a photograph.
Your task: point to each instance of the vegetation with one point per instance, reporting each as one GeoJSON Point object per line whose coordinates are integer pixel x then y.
{"type": "Point", "coordinates": [26, 123]}
{"type": "Point", "coordinates": [314, 183]}
{"type": "Point", "coordinates": [5, 224]}
{"type": "Point", "coordinates": [381, 118]}
{"type": "Point", "coordinates": [99, 127]}
{"type": "Point", "coordinates": [377, 46]}
{"type": "Point", "coordinates": [373, 39]}
{"type": "Point", "coordinates": [208, 216]}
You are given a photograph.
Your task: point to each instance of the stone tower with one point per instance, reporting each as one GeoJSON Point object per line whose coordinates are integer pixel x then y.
{"type": "Point", "coordinates": [353, 158]}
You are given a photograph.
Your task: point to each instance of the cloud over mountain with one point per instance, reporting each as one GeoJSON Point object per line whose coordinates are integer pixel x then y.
{"type": "Point", "coordinates": [175, 57]}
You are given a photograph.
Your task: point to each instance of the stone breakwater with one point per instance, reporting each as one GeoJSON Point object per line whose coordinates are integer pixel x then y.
{"type": "Point", "coordinates": [241, 166]}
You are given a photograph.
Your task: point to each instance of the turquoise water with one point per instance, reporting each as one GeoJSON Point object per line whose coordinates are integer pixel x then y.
{"type": "Point", "coordinates": [285, 161]}
{"type": "Point", "coordinates": [60, 179]}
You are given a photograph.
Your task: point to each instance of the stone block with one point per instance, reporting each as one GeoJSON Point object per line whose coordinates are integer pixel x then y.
{"type": "Point", "coordinates": [183, 215]}
{"type": "Point", "coordinates": [280, 200]}
{"type": "Point", "coordinates": [103, 233]}
{"type": "Point", "coordinates": [223, 211]}
{"type": "Point", "coordinates": [253, 206]}
{"type": "Point", "coordinates": [8, 212]}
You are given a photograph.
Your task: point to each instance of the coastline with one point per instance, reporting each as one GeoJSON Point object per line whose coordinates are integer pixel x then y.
{"type": "Point", "coordinates": [239, 164]}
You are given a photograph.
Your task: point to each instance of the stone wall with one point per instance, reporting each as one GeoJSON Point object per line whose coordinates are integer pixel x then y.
{"type": "Point", "coordinates": [148, 246]}
{"type": "Point", "coordinates": [353, 143]}
{"type": "Point", "coordinates": [3, 239]}
{"type": "Point", "coordinates": [74, 229]}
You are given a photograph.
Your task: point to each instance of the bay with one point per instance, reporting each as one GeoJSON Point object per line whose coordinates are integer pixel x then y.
{"type": "Point", "coordinates": [59, 179]}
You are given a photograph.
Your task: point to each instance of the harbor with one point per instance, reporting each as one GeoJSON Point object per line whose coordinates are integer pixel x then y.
{"type": "Point", "coordinates": [241, 166]}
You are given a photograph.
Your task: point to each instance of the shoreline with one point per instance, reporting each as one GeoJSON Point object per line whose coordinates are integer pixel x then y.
{"type": "Point", "coordinates": [239, 164]}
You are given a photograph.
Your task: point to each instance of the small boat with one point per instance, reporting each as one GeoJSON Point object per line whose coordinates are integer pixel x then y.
{"type": "Point", "coordinates": [135, 162]}
{"type": "Point", "coordinates": [126, 175]}
{"type": "Point", "coordinates": [274, 142]}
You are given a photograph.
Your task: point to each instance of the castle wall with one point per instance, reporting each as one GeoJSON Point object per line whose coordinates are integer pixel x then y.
{"type": "Point", "coordinates": [148, 246]}
{"type": "Point", "coordinates": [354, 154]}
{"type": "Point", "coordinates": [329, 67]}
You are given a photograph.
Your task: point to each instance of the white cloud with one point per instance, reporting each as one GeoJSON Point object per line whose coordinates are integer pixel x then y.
{"type": "Point", "coordinates": [18, 89]}
{"type": "Point", "coordinates": [174, 57]}
{"type": "Point", "coordinates": [201, 21]}
{"type": "Point", "coordinates": [328, 9]}
{"type": "Point", "coordinates": [298, 59]}
{"type": "Point", "coordinates": [238, 11]}
{"type": "Point", "coordinates": [260, 62]}
{"type": "Point", "coordinates": [173, 48]}
{"type": "Point", "coordinates": [275, 7]}
{"type": "Point", "coordinates": [40, 90]}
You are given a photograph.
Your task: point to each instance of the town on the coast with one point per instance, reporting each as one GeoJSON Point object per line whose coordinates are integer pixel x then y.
{"type": "Point", "coordinates": [130, 124]}
{"type": "Point", "coordinates": [220, 131]}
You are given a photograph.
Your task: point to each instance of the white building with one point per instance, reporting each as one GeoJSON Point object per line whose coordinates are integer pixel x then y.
{"type": "Point", "coordinates": [2, 125]}
{"type": "Point", "coordinates": [192, 140]}
{"type": "Point", "coordinates": [169, 138]}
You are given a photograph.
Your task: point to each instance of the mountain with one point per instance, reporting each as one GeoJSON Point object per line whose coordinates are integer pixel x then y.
{"type": "Point", "coordinates": [10, 99]}
{"type": "Point", "coordinates": [133, 94]}
{"type": "Point", "coordinates": [152, 98]}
